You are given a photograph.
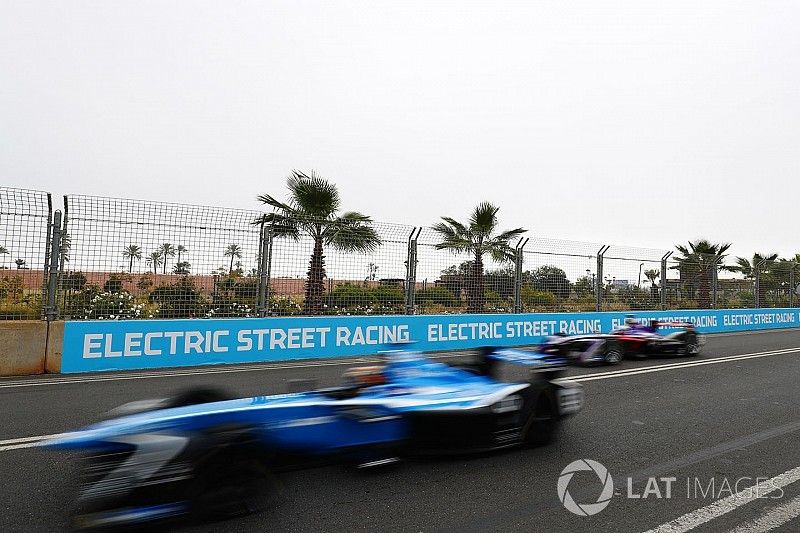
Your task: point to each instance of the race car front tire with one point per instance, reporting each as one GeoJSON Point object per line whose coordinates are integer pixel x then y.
{"type": "Point", "coordinates": [613, 353]}
{"type": "Point", "coordinates": [230, 485]}
{"type": "Point", "coordinates": [543, 422]}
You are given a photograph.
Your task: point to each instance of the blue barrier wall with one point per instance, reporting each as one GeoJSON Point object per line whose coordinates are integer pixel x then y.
{"type": "Point", "coordinates": [135, 344]}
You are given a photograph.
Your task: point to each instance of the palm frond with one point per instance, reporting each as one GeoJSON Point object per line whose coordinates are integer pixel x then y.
{"type": "Point", "coordinates": [274, 203]}
{"type": "Point", "coordinates": [507, 236]}
{"type": "Point", "coordinates": [352, 232]}
{"type": "Point", "coordinates": [484, 218]}
{"type": "Point", "coordinates": [282, 226]}
{"type": "Point", "coordinates": [500, 252]}
{"type": "Point", "coordinates": [313, 195]}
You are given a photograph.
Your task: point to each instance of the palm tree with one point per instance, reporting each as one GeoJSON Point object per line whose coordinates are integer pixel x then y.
{"type": "Point", "coordinates": [652, 275]}
{"type": "Point", "coordinates": [181, 267]}
{"type": "Point", "coordinates": [761, 265]}
{"type": "Point", "coordinates": [234, 251]}
{"type": "Point", "coordinates": [131, 252]}
{"type": "Point", "coordinates": [155, 260]}
{"type": "Point", "coordinates": [701, 259]}
{"type": "Point", "coordinates": [20, 263]}
{"type": "Point", "coordinates": [181, 249]}
{"type": "Point", "coordinates": [478, 238]}
{"type": "Point", "coordinates": [748, 268]}
{"type": "Point", "coordinates": [167, 250]}
{"type": "Point", "coordinates": [313, 210]}
{"type": "Point", "coordinates": [3, 250]}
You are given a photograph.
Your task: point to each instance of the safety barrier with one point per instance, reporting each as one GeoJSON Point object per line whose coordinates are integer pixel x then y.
{"type": "Point", "coordinates": [90, 346]}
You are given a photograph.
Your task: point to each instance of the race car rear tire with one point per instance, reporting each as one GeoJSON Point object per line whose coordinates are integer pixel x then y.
{"type": "Point", "coordinates": [542, 423]}
{"type": "Point", "coordinates": [613, 353]}
{"type": "Point", "coordinates": [692, 344]}
{"type": "Point", "coordinates": [197, 395]}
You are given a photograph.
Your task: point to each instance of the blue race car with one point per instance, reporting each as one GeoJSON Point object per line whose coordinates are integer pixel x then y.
{"type": "Point", "coordinates": [206, 456]}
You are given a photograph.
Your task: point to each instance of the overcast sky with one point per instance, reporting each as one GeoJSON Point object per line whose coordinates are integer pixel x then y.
{"type": "Point", "coordinates": [641, 123]}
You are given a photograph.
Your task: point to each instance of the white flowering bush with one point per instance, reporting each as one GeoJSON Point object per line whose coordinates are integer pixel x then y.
{"type": "Point", "coordinates": [232, 309]}
{"type": "Point", "coordinates": [285, 306]}
{"type": "Point", "coordinates": [113, 306]}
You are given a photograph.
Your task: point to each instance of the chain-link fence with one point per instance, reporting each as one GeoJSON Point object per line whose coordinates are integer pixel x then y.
{"type": "Point", "coordinates": [24, 247]}
{"type": "Point", "coordinates": [119, 259]}
{"type": "Point", "coordinates": [135, 259]}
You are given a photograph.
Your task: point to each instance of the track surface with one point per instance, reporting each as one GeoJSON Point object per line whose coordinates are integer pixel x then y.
{"type": "Point", "coordinates": [738, 419]}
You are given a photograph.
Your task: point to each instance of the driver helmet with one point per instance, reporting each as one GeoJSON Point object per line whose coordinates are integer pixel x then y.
{"type": "Point", "coordinates": [365, 376]}
{"type": "Point", "coordinates": [630, 320]}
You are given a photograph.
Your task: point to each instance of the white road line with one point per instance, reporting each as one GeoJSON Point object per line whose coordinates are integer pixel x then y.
{"type": "Point", "coordinates": [28, 442]}
{"type": "Point", "coordinates": [773, 518]}
{"type": "Point", "coordinates": [27, 439]}
{"type": "Point", "coordinates": [700, 516]}
{"type": "Point", "coordinates": [195, 371]}
{"type": "Point", "coordinates": [65, 379]}
{"type": "Point", "coordinates": [677, 366]}
{"type": "Point", "coordinates": [19, 446]}
{"type": "Point", "coordinates": [170, 374]}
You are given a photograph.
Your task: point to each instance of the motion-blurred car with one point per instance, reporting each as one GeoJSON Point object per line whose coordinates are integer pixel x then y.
{"type": "Point", "coordinates": [202, 455]}
{"type": "Point", "coordinates": [631, 340]}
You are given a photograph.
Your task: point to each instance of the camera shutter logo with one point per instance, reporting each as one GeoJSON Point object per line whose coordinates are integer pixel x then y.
{"type": "Point", "coordinates": [585, 509]}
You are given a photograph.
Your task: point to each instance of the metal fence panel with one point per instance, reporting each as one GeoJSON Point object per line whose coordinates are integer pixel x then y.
{"type": "Point", "coordinates": [631, 278]}
{"type": "Point", "coordinates": [125, 258]}
{"type": "Point", "coordinates": [138, 259]}
{"type": "Point", "coordinates": [343, 274]}
{"type": "Point", "coordinates": [24, 224]}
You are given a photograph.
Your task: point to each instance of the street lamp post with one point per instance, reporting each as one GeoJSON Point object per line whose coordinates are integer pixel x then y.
{"type": "Point", "coordinates": [640, 275]}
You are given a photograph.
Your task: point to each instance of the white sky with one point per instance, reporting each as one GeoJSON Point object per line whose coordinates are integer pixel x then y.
{"type": "Point", "coordinates": [641, 123]}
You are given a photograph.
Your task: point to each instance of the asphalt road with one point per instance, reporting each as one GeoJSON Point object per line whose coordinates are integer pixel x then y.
{"type": "Point", "coordinates": [717, 424]}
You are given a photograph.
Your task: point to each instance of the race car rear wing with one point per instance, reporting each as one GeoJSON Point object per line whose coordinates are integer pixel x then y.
{"type": "Point", "coordinates": [687, 325]}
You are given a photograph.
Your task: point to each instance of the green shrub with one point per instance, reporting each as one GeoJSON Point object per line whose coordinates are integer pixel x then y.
{"type": "Point", "coordinates": [436, 296]}
{"type": "Point", "coordinates": [350, 295]}
{"type": "Point", "coordinates": [535, 300]}
{"type": "Point", "coordinates": [29, 308]}
{"type": "Point", "coordinates": [178, 300]}
{"type": "Point", "coordinates": [390, 295]}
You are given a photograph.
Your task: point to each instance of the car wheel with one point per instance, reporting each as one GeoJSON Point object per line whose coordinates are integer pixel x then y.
{"type": "Point", "coordinates": [691, 346]}
{"type": "Point", "coordinates": [197, 395]}
{"type": "Point", "coordinates": [542, 423]}
{"type": "Point", "coordinates": [613, 354]}
{"type": "Point", "coordinates": [230, 485]}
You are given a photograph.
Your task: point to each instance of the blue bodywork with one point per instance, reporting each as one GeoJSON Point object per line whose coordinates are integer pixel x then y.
{"type": "Point", "coordinates": [314, 422]}
{"type": "Point", "coordinates": [143, 461]}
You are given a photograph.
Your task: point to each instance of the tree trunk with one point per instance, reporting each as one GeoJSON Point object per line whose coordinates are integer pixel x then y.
{"type": "Point", "coordinates": [315, 282]}
{"type": "Point", "coordinates": [475, 288]}
{"type": "Point", "coordinates": [703, 290]}
{"type": "Point", "coordinates": [165, 263]}
{"type": "Point", "coordinates": [130, 266]}
{"type": "Point", "coordinates": [230, 270]}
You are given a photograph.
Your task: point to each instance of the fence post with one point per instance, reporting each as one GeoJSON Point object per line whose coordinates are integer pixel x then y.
{"type": "Point", "coordinates": [714, 273]}
{"type": "Point", "coordinates": [518, 261]}
{"type": "Point", "coordinates": [664, 280]}
{"type": "Point", "coordinates": [598, 289]}
{"type": "Point", "coordinates": [264, 268]}
{"type": "Point", "coordinates": [757, 296]}
{"type": "Point", "coordinates": [51, 310]}
{"type": "Point", "coordinates": [411, 271]}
